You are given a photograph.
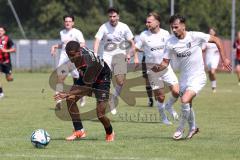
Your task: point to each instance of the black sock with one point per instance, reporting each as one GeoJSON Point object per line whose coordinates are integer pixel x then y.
{"type": "Point", "coordinates": [149, 91]}
{"type": "Point", "coordinates": [109, 130]}
{"type": "Point", "coordinates": [1, 90]}
{"type": "Point", "coordinates": [77, 125]}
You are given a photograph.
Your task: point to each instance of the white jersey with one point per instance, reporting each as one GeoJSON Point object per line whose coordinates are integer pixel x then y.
{"type": "Point", "coordinates": [113, 38]}
{"type": "Point", "coordinates": [212, 55]}
{"type": "Point", "coordinates": [71, 35]}
{"type": "Point", "coordinates": [211, 49]}
{"type": "Point", "coordinates": [153, 45]}
{"type": "Point", "coordinates": [188, 52]}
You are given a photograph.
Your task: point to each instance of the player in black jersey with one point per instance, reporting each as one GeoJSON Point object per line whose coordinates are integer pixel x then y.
{"type": "Point", "coordinates": [95, 76]}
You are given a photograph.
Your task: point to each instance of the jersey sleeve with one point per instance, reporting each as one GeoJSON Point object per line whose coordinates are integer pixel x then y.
{"type": "Point", "coordinates": [99, 35]}
{"type": "Point", "coordinates": [80, 37]}
{"type": "Point", "coordinates": [10, 44]}
{"type": "Point", "coordinates": [139, 42]}
{"type": "Point", "coordinates": [202, 37]}
{"type": "Point", "coordinates": [168, 52]}
{"type": "Point", "coordinates": [128, 33]}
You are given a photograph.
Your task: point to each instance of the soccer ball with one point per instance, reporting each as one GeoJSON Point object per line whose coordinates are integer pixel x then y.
{"type": "Point", "coordinates": [40, 138]}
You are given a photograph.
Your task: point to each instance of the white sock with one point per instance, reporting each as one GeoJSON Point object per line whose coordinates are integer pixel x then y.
{"type": "Point", "coordinates": [214, 84]}
{"type": "Point", "coordinates": [185, 116]}
{"type": "Point", "coordinates": [169, 105]}
{"type": "Point", "coordinates": [191, 120]}
{"type": "Point", "coordinates": [118, 89]}
{"type": "Point", "coordinates": [161, 108]}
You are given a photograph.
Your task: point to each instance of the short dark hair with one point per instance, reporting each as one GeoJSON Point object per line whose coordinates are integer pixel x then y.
{"type": "Point", "coordinates": [155, 15]}
{"type": "Point", "coordinates": [72, 46]}
{"type": "Point", "coordinates": [112, 9]}
{"type": "Point", "coordinates": [70, 16]}
{"type": "Point", "coordinates": [175, 17]}
{"type": "Point", "coordinates": [4, 28]}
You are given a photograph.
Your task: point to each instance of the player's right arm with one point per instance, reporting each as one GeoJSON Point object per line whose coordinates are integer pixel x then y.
{"type": "Point", "coordinates": [54, 48]}
{"type": "Point", "coordinates": [96, 46]}
{"type": "Point", "coordinates": [99, 35]}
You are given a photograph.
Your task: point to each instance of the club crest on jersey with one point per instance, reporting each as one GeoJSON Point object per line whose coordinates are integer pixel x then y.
{"type": "Point", "coordinates": [188, 45]}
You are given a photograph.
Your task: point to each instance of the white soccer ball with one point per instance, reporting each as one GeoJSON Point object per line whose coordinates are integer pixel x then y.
{"type": "Point", "coordinates": [40, 138]}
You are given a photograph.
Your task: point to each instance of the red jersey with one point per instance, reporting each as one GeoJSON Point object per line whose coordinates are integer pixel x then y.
{"type": "Point", "coordinates": [6, 43]}
{"type": "Point", "coordinates": [237, 46]}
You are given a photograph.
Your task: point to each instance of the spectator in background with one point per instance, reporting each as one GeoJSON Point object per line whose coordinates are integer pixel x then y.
{"type": "Point", "coordinates": [6, 47]}
{"type": "Point", "coordinates": [211, 59]}
{"type": "Point", "coordinates": [236, 46]}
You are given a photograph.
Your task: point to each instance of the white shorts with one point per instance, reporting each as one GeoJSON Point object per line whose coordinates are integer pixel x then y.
{"type": "Point", "coordinates": [65, 66]}
{"type": "Point", "coordinates": [193, 83]}
{"type": "Point", "coordinates": [212, 61]}
{"type": "Point", "coordinates": [157, 79]}
{"type": "Point", "coordinates": [117, 63]}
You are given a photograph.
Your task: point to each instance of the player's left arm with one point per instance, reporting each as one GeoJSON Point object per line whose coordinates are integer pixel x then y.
{"type": "Point", "coordinates": [10, 47]}
{"type": "Point", "coordinates": [225, 60]}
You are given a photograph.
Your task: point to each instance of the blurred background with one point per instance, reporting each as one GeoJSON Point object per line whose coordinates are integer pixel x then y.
{"type": "Point", "coordinates": [34, 25]}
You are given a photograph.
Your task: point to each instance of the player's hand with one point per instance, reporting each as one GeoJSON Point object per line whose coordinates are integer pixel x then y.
{"type": "Point", "coordinates": [53, 51]}
{"type": "Point", "coordinates": [136, 62]}
{"type": "Point", "coordinates": [227, 64]}
{"type": "Point", "coordinates": [156, 68]}
{"type": "Point", "coordinates": [128, 57]}
{"type": "Point", "coordinates": [60, 96]}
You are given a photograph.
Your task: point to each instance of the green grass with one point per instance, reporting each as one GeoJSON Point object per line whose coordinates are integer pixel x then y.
{"type": "Point", "coordinates": [28, 105]}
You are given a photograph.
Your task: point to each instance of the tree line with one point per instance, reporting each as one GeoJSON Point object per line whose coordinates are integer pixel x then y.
{"type": "Point", "coordinates": [42, 19]}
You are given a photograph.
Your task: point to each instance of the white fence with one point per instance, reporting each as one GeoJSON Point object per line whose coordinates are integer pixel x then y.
{"type": "Point", "coordinates": [35, 54]}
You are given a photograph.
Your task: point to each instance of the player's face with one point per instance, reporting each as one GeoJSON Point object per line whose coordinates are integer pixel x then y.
{"type": "Point", "coordinates": [152, 24]}
{"type": "Point", "coordinates": [238, 35]}
{"type": "Point", "coordinates": [74, 55]}
{"type": "Point", "coordinates": [178, 29]}
{"type": "Point", "coordinates": [68, 23]}
{"type": "Point", "coordinates": [113, 18]}
{"type": "Point", "coordinates": [2, 32]}
{"type": "Point", "coordinates": [212, 32]}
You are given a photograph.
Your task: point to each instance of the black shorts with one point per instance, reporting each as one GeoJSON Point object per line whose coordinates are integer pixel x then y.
{"type": "Point", "coordinates": [101, 87]}
{"type": "Point", "coordinates": [237, 62]}
{"type": "Point", "coordinates": [6, 68]}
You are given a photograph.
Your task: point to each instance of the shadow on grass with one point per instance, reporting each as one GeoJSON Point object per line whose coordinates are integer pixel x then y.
{"type": "Point", "coordinates": [83, 139]}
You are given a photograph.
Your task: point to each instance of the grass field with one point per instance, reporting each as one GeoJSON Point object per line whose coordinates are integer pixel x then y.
{"type": "Point", "coordinates": [28, 105]}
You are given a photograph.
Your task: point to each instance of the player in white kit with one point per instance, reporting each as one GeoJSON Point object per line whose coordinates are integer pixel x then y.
{"type": "Point", "coordinates": [152, 41]}
{"type": "Point", "coordinates": [185, 46]}
{"type": "Point", "coordinates": [211, 59]}
{"type": "Point", "coordinates": [64, 65]}
{"type": "Point", "coordinates": [117, 39]}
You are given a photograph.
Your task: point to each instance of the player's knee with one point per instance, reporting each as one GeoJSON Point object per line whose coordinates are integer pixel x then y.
{"type": "Point", "coordinates": [61, 79]}
{"type": "Point", "coordinates": [184, 100]}
{"type": "Point", "coordinates": [175, 93]}
{"type": "Point", "coordinates": [120, 82]}
{"type": "Point", "coordinates": [160, 98]}
{"type": "Point", "coordinates": [9, 78]}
